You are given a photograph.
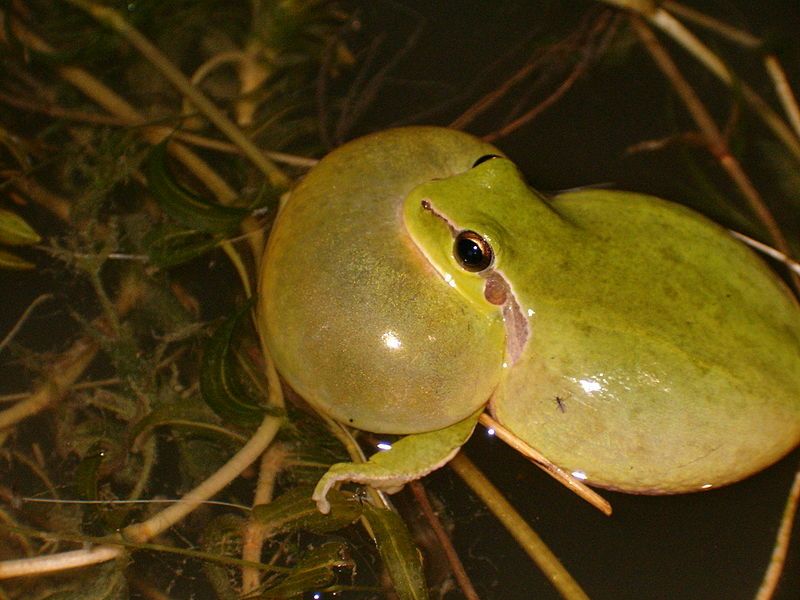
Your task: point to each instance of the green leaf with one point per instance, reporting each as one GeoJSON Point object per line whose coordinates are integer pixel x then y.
{"type": "Point", "coordinates": [183, 205]}
{"type": "Point", "coordinates": [296, 510]}
{"type": "Point", "coordinates": [14, 262]}
{"type": "Point", "coordinates": [398, 552]}
{"type": "Point", "coordinates": [15, 231]}
{"type": "Point", "coordinates": [315, 570]}
{"type": "Point", "coordinates": [168, 246]}
{"type": "Point", "coordinates": [221, 379]}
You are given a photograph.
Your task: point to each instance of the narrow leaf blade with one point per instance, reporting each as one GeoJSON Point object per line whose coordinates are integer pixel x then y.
{"type": "Point", "coordinates": [316, 570]}
{"type": "Point", "coordinates": [169, 246]}
{"type": "Point", "coordinates": [14, 262]}
{"type": "Point", "coordinates": [15, 231]}
{"type": "Point", "coordinates": [296, 510]}
{"type": "Point", "coordinates": [399, 553]}
{"type": "Point", "coordinates": [183, 205]}
{"type": "Point", "coordinates": [221, 382]}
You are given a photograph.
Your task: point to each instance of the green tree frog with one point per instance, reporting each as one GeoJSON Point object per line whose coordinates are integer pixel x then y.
{"type": "Point", "coordinates": [413, 278]}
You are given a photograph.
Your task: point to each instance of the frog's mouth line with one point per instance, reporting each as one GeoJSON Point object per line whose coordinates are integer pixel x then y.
{"type": "Point", "coordinates": [497, 290]}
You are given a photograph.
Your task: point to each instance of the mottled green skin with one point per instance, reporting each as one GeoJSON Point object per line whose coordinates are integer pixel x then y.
{"type": "Point", "coordinates": [662, 356]}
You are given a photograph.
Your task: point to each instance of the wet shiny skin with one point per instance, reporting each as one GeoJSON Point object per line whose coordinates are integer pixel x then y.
{"type": "Point", "coordinates": [658, 354]}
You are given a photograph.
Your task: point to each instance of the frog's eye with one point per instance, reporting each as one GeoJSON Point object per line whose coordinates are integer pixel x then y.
{"type": "Point", "coordinates": [484, 158]}
{"type": "Point", "coordinates": [472, 252]}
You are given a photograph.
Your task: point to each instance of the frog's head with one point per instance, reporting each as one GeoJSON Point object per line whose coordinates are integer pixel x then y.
{"type": "Point", "coordinates": [387, 285]}
{"type": "Point", "coordinates": [471, 227]}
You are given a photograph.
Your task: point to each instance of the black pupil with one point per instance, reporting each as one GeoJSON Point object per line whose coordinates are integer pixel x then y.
{"type": "Point", "coordinates": [470, 252]}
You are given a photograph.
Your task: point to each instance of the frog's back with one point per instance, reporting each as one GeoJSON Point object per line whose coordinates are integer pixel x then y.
{"type": "Point", "coordinates": [671, 363]}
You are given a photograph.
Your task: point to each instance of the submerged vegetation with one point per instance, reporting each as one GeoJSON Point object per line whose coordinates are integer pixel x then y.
{"type": "Point", "coordinates": [147, 448]}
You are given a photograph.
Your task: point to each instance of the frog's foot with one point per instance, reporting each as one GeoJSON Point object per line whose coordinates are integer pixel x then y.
{"type": "Point", "coordinates": [410, 458]}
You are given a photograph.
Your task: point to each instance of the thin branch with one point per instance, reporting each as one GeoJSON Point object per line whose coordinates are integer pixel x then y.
{"type": "Point", "coordinates": [192, 138]}
{"type": "Point", "coordinates": [460, 574]}
{"type": "Point", "coordinates": [658, 16]}
{"type": "Point", "coordinates": [667, 23]}
{"type": "Point", "coordinates": [59, 112]}
{"type": "Point", "coordinates": [141, 532]}
{"type": "Point", "coordinates": [578, 70]}
{"type": "Point", "coordinates": [21, 321]}
{"type": "Point", "coordinates": [118, 106]}
{"type": "Point", "coordinates": [552, 53]}
{"type": "Point", "coordinates": [359, 99]}
{"type": "Point", "coordinates": [101, 549]}
{"type": "Point", "coordinates": [488, 100]}
{"type": "Point", "coordinates": [768, 250]}
{"type": "Point", "coordinates": [257, 444]}
{"type": "Point", "coordinates": [97, 91]}
{"type": "Point", "coordinates": [605, 27]}
{"type": "Point", "coordinates": [59, 206]}
{"type": "Point", "coordinates": [253, 73]}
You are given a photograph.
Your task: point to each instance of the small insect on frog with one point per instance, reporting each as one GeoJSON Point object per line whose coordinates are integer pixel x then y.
{"type": "Point", "coordinates": [413, 279]}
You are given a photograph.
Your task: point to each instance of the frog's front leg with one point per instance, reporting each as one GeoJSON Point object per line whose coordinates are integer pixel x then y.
{"type": "Point", "coordinates": [409, 458]}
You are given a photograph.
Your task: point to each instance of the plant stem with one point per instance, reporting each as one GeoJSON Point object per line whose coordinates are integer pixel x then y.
{"type": "Point", "coordinates": [739, 36]}
{"type": "Point", "coordinates": [560, 475]}
{"type": "Point", "coordinates": [115, 21]}
{"type": "Point", "coordinates": [162, 521]}
{"type": "Point", "coordinates": [776, 563]}
{"type": "Point", "coordinates": [526, 537]}
{"type": "Point", "coordinates": [26, 567]}
{"type": "Point", "coordinates": [272, 463]}
{"type": "Point", "coordinates": [658, 16]}
{"type": "Point", "coordinates": [21, 321]}
{"type": "Point", "coordinates": [784, 91]}
{"type": "Point", "coordinates": [457, 567]}
{"type": "Point", "coordinates": [97, 91]}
